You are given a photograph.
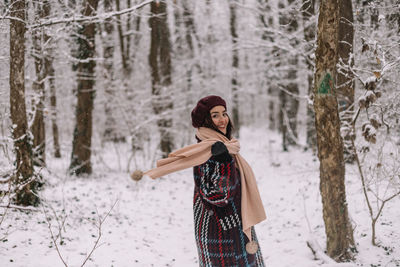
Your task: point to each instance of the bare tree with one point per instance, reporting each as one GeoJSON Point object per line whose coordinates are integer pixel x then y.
{"type": "Point", "coordinates": [110, 132]}
{"type": "Point", "coordinates": [53, 100]}
{"type": "Point", "coordinates": [47, 53]}
{"type": "Point", "coordinates": [192, 41]}
{"type": "Point", "coordinates": [38, 125]}
{"type": "Point", "coordinates": [266, 23]}
{"type": "Point", "coordinates": [160, 64]}
{"type": "Point", "coordinates": [235, 66]}
{"type": "Point", "coordinates": [308, 13]}
{"type": "Point", "coordinates": [123, 41]}
{"type": "Point", "coordinates": [289, 104]}
{"type": "Point", "coordinates": [376, 120]}
{"type": "Point", "coordinates": [24, 179]}
{"type": "Point", "coordinates": [81, 145]}
{"type": "Point", "coordinates": [338, 228]}
{"type": "Point", "coordinates": [136, 37]}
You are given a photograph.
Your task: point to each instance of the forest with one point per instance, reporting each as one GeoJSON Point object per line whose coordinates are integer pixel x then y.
{"type": "Point", "coordinates": [93, 90]}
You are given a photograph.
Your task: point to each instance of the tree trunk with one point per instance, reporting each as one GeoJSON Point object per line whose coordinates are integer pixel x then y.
{"type": "Point", "coordinates": [210, 69]}
{"type": "Point", "coordinates": [266, 23]}
{"type": "Point", "coordinates": [122, 45]}
{"type": "Point", "coordinates": [128, 29]}
{"type": "Point", "coordinates": [136, 38]}
{"type": "Point", "coordinates": [50, 74]}
{"type": "Point", "coordinates": [293, 87]}
{"type": "Point", "coordinates": [111, 132]}
{"type": "Point", "coordinates": [53, 102]}
{"type": "Point", "coordinates": [289, 103]}
{"type": "Point", "coordinates": [338, 229]}
{"type": "Point", "coordinates": [191, 38]}
{"type": "Point", "coordinates": [271, 109]}
{"type": "Point", "coordinates": [177, 35]}
{"type": "Point", "coordinates": [282, 125]}
{"type": "Point", "coordinates": [81, 145]}
{"type": "Point", "coordinates": [24, 180]}
{"type": "Point", "coordinates": [235, 66]}
{"type": "Point", "coordinates": [345, 77]}
{"type": "Point", "coordinates": [38, 127]}
{"type": "Point", "coordinates": [308, 12]}
{"type": "Point", "coordinates": [160, 64]}
{"type": "Point", "coordinates": [189, 30]}
{"type": "Point", "coordinates": [190, 26]}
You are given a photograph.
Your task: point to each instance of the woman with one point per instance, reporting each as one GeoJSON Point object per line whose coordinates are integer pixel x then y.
{"type": "Point", "coordinates": [226, 200]}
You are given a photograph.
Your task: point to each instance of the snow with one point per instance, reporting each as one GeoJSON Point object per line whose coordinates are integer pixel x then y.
{"type": "Point", "coordinates": [370, 79]}
{"type": "Point", "coordinates": [151, 222]}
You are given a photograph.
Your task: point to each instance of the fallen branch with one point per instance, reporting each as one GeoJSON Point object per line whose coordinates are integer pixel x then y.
{"type": "Point", "coordinates": [10, 206]}
{"type": "Point", "coordinates": [320, 255]}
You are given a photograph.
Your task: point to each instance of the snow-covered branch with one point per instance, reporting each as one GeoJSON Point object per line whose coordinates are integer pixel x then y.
{"type": "Point", "coordinates": [89, 19]}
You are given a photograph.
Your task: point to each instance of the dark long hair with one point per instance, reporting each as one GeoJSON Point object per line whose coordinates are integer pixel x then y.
{"type": "Point", "coordinates": [210, 124]}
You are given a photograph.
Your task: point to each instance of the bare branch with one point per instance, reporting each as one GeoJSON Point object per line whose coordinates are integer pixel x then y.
{"type": "Point", "coordinates": [101, 221]}
{"type": "Point", "coordinates": [90, 19]}
{"type": "Point", "coordinates": [52, 236]}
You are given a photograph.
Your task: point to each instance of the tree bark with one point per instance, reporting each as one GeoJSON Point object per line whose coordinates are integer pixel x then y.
{"type": "Point", "coordinates": [235, 66]}
{"type": "Point", "coordinates": [160, 64]}
{"type": "Point", "coordinates": [24, 179]}
{"type": "Point", "coordinates": [81, 145]}
{"type": "Point", "coordinates": [345, 77]}
{"type": "Point", "coordinates": [338, 229]}
{"type": "Point", "coordinates": [38, 126]}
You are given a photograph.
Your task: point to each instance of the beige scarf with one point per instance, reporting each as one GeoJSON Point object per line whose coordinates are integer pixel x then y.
{"type": "Point", "coordinates": [196, 154]}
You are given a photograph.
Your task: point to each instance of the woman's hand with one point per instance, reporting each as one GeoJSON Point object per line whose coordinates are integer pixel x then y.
{"type": "Point", "coordinates": [218, 148]}
{"type": "Point", "coordinates": [220, 152]}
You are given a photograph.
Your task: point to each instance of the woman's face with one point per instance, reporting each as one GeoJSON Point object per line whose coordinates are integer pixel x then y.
{"type": "Point", "coordinates": [220, 118]}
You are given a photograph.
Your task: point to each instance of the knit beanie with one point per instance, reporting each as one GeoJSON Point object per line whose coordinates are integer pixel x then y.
{"type": "Point", "coordinates": [203, 107]}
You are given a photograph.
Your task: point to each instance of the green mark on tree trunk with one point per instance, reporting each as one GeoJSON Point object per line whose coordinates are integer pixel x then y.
{"type": "Point", "coordinates": [326, 85]}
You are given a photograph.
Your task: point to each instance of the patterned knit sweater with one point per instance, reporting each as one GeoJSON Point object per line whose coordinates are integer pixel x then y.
{"type": "Point", "coordinates": [217, 216]}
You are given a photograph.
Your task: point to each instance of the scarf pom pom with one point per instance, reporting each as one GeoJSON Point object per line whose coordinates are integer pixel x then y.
{"type": "Point", "coordinates": [137, 175]}
{"type": "Point", "coordinates": [252, 247]}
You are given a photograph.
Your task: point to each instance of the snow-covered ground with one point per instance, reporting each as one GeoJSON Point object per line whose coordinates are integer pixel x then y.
{"type": "Point", "coordinates": [150, 222]}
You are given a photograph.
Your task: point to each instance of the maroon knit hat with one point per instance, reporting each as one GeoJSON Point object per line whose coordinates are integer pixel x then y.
{"type": "Point", "coordinates": [203, 107]}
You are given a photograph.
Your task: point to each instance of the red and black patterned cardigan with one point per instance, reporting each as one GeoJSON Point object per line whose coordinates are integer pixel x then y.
{"type": "Point", "coordinates": [217, 216]}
